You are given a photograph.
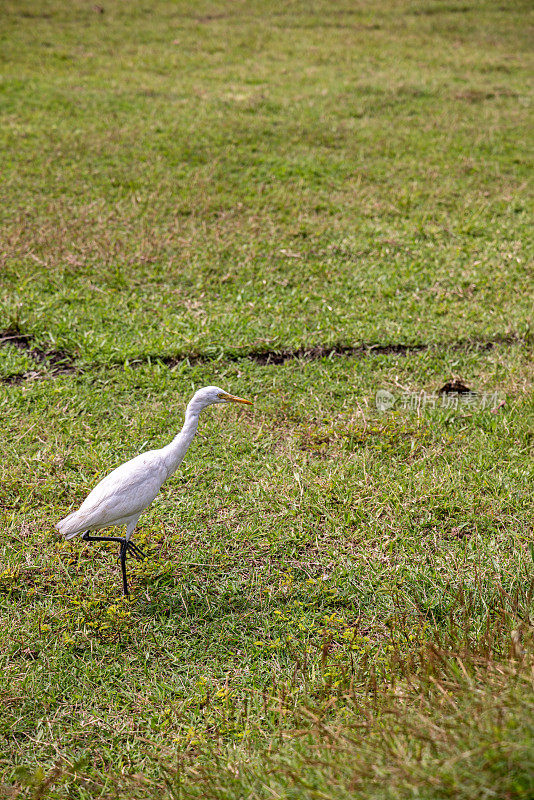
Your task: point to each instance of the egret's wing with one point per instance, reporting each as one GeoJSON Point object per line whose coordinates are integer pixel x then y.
{"type": "Point", "coordinates": [123, 493]}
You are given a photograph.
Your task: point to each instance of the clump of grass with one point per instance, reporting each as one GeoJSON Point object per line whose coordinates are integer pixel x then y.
{"type": "Point", "coordinates": [445, 715]}
{"type": "Point", "coordinates": [466, 733]}
{"type": "Point", "coordinates": [454, 720]}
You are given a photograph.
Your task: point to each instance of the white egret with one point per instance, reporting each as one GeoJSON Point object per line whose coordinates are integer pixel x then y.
{"type": "Point", "coordinates": [121, 497]}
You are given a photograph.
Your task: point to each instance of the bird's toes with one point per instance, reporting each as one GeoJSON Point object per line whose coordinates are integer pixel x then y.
{"type": "Point", "coordinates": [135, 551]}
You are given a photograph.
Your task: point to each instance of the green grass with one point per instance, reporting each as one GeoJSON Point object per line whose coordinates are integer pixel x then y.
{"type": "Point", "coordinates": [189, 191]}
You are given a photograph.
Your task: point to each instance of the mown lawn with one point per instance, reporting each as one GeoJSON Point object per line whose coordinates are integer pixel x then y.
{"type": "Point", "coordinates": [304, 203]}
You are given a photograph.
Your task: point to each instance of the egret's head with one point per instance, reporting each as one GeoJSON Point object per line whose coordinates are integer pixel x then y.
{"type": "Point", "coordinates": [213, 394]}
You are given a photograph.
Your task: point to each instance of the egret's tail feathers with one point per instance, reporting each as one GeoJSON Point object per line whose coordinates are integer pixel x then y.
{"type": "Point", "coordinates": [70, 526]}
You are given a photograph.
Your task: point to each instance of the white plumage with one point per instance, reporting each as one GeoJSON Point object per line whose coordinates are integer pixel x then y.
{"type": "Point", "coordinates": [121, 496]}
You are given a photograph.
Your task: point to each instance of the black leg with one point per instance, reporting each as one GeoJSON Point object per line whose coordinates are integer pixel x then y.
{"type": "Point", "coordinates": [124, 547]}
{"type": "Point", "coordinates": [136, 551]}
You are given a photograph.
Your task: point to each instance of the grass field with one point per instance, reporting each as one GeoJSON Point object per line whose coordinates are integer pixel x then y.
{"type": "Point", "coordinates": [304, 203]}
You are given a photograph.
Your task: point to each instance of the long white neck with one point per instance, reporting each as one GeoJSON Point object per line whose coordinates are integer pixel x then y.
{"type": "Point", "coordinates": [174, 452]}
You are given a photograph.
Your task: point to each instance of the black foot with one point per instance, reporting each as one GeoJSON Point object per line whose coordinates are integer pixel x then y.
{"type": "Point", "coordinates": [136, 551]}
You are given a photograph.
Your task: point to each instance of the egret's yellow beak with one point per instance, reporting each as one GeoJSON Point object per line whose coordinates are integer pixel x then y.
{"type": "Point", "coordinates": [231, 399]}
